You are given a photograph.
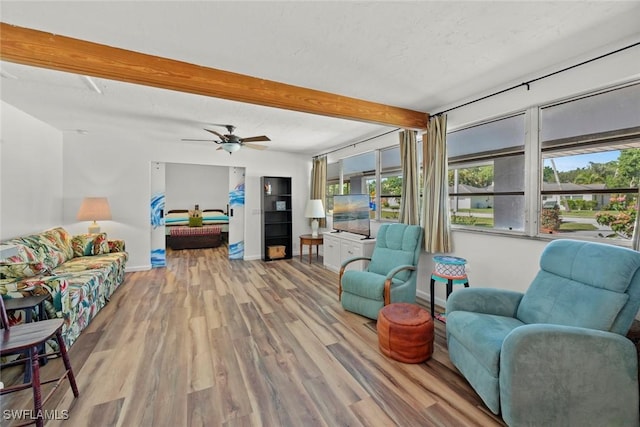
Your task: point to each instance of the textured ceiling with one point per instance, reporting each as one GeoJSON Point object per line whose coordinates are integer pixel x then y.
{"type": "Point", "coordinates": [419, 55]}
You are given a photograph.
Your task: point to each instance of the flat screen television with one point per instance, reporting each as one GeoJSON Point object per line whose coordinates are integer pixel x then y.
{"type": "Point", "coordinates": [351, 214]}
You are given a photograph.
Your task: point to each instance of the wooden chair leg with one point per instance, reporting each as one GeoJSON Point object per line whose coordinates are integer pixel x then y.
{"type": "Point", "coordinates": [35, 385]}
{"type": "Point", "coordinates": [67, 364]}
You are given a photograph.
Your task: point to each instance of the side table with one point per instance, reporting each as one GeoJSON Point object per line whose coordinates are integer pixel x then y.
{"type": "Point", "coordinates": [308, 239]}
{"type": "Point", "coordinates": [449, 270]}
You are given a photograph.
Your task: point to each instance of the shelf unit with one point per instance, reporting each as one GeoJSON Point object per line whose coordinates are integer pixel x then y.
{"type": "Point", "coordinates": [277, 230]}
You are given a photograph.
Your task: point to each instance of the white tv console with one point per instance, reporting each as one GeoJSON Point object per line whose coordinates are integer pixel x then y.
{"type": "Point", "coordinates": [338, 247]}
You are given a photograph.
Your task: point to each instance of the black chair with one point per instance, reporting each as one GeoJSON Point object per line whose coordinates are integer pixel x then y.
{"type": "Point", "coordinates": [28, 338]}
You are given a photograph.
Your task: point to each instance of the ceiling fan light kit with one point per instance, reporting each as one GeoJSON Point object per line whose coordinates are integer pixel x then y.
{"type": "Point", "coordinates": [230, 147]}
{"type": "Point", "coordinates": [232, 143]}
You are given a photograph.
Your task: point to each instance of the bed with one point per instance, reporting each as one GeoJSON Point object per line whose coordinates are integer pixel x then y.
{"type": "Point", "coordinates": [214, 230]}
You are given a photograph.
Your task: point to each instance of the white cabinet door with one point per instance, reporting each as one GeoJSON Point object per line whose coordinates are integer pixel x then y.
{"type": "Point", "coordinates": [350, 249]}
{"type": "Point", "coordinates": [338, 248]}
{"type": "Point", "coordinates": [331, 252]}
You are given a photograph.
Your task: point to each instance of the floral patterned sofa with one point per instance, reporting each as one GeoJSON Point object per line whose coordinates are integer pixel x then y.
{"type": "Point", "coordinates": [79, 273]}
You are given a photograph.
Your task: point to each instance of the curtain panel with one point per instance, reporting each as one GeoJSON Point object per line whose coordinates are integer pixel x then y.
{"type": "Point", "coordinates": [435, 206]}
{"type": "Point", "coordinates": [409, 211]}
{"type": "Point", "coordinates": [319, 184]}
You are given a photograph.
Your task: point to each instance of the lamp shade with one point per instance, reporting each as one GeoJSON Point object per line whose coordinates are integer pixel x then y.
{"type": "Point", "coordinates": [94, 209]}
{"type": "Point", "coordinates": [314, 209]}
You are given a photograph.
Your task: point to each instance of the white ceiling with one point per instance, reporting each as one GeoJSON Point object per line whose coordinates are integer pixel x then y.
{"type": "Point", "coordinates": [421, 55]}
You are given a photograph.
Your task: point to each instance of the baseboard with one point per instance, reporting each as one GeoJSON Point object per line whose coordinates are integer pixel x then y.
{"type": "Point", "coordinates": [426, 299]}
{"type": "Point", "coordinates": [131, 269]}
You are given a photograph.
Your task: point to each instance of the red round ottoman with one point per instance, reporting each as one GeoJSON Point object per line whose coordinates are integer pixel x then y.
{"type": "Point", "coordinates": [405, 332]}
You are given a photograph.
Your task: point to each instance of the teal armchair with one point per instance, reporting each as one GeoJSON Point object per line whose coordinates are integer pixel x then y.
{"type": "Point", "coordinates": [556, 355]}
{"type": "Point", "coordinates": [391, 273]}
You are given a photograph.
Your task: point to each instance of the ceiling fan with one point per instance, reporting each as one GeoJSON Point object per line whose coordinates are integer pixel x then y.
{"type": "Point", "coordinates": [232, 143]}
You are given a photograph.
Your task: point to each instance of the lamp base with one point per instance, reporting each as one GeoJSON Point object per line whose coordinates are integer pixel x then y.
{"type": "Point", "coordinates": [314, 228]}
{"type": "Point", "coordinates": [94, 228]}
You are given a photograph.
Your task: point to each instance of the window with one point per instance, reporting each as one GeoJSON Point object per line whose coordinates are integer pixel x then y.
{"type": "Point", "coordinates": [390, 183]}
{"type": "Point", "coordinates": [590, 175]}
{"type": "Point", "coordinates": [486, 175]}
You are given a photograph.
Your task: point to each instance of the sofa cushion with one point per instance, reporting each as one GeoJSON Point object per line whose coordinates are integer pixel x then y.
{"type": "Point", "coordinates": [21, 270]}
{"type": "Point", "coordinates": [90, 244]}
{"type": "Point", "coordinates": [53, 247]}
{"type": "Point", "coordinates": [24, 264]}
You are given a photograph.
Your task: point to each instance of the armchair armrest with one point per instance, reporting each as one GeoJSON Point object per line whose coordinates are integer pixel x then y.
{"type": "Point", "coordinates": [389, 281]}
{"type": "Point", "coordinates": [499, 302]}
{"type": "Point", "coordinates": [116, 245]}
{"type": "Point", "coordinates": [565, 375]}
{"type": "Point", "coordinates": [350, 260]}
{"type": "Point", "coordinates": [344, 265]}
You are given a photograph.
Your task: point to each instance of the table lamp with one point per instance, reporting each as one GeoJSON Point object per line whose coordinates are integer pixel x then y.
{"type": "Point", "coordinates": [314, 210]}
{"type": "Point", "coordinates": [94, 209]}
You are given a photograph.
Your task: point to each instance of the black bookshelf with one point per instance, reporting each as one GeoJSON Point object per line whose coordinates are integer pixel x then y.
{"type": "Point", "coordinates": [277, 239]}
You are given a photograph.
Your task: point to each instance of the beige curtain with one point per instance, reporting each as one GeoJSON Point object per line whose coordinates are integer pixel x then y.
{"type": "Point", "coordinates": [409, 162]}
{"type": "Point", "coordinates": [435, 206]}
{"type": "Point", "coordinates": [319, 183]}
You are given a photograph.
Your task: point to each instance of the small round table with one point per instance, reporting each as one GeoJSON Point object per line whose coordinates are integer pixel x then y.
{"type": "Point", "coordinates": [449, 270]}
{"type": "Point", "coordinates": [308, 239]}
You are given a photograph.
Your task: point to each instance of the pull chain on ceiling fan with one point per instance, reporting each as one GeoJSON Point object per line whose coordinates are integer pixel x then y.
{"type": "Point", "coordinates": [231, 142]}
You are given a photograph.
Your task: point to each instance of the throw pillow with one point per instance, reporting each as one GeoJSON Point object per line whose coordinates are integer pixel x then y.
{"type": "Point", "coordinates": [195, 221]}
{"type": "Point", "coordinates": [90, 244]}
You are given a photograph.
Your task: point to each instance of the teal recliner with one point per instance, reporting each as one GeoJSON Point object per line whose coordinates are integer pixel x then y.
{"type": "Point", "coordinates": [391, 273]}
{"type": "Point", "coordinates": [556, 355]}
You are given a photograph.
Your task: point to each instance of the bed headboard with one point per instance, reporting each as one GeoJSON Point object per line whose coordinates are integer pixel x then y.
{"type": "Point", "coordinates": [215, 210]}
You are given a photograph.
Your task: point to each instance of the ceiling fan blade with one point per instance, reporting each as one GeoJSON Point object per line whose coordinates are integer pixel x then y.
{"type": "Point", "coordinates": [222, 137]}
{"type": "Point", "coordinates": [254, 146]}
{"type": "Point", "coordinates": [255, 139]}
{"type": "Point", "coordinates": [203, 140]}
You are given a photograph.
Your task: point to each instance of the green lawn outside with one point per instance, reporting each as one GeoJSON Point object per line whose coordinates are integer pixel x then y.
{"type": "Point", "coordinates": [563, 214]}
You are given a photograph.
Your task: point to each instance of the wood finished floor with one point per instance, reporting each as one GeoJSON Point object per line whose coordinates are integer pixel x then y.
{"type": "Point", "coordinates": [212, 342]}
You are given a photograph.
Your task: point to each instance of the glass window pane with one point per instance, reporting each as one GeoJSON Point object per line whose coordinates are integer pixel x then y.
{"type": "Point", "coordinates": [365, 162]}
{"type": "Point", "coordinates": [390, 159]}
{"type": "Point", "coordinates": [477, 194]}
{"type": "Point", "coordinates": [498, 135]}
{"type": "Point", "coordinates": [604, 112]}
{"type": "Point", "coordinates": [489, 211]}
{"type": "Point", "coordinates": [591, 195]}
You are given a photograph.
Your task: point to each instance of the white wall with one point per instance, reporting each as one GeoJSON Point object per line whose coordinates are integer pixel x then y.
{"type": "Point", "coordinates": [188, 185]}
{"type": "Point", "coordinates": [31, 170]}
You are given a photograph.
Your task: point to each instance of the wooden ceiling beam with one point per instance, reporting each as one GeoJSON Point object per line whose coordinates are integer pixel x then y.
{"type": "Point", "coordinates": [40, 49]}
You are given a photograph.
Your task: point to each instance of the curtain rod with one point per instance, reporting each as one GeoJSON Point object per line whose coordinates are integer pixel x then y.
{"type": "Point", "coordinates": [356, 143]}
{"type": "Point", "coordinates": [527, 83]}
